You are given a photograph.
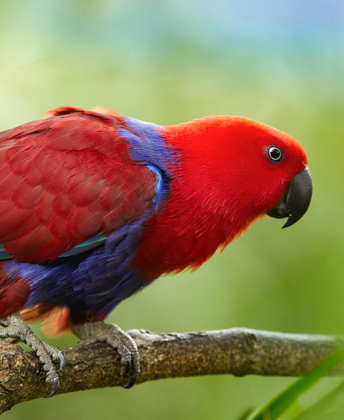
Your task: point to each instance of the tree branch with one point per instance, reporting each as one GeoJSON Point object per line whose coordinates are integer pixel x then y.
{"type": "Point", "coordinates": [236, 351]}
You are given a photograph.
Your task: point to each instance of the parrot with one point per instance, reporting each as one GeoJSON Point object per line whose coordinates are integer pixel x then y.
{"type": "Point", "coordinates": [95, 206]}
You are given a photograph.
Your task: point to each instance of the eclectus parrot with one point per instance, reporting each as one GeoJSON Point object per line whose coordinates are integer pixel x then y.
{"type": "Point", "coordinates": [95, 206]}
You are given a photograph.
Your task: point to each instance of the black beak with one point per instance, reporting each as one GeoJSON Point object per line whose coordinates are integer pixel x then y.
{"type": "Point", "coordinates": [295, 202]}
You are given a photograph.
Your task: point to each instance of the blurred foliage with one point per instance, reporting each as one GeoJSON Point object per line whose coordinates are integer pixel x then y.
{"type": "Point", "coordinates": [289, 397]}
{"type": "Point", "coordinates": [168, 62]}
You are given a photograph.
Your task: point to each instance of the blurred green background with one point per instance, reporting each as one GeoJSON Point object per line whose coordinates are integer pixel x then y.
{"type": "Point", "coordinates": [170, 61]}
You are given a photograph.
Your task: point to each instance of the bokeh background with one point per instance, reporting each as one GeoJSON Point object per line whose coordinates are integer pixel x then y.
{"type": "Point", "coordinates": [170, 61]}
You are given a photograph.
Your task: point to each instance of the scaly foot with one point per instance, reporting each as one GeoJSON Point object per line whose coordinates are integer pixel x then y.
{"type": "Point", "coordinates": [95, 332]}
{"type": "Point", "coordinates": [14, 329]}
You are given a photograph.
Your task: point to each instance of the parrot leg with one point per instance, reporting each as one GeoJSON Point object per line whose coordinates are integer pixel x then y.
{"type": "Point", "coordinates": [95, 332]}
{"type": "Point", "coordinates": [14, 329]}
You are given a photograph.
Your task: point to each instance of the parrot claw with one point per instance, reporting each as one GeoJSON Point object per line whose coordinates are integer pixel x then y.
{"type": "Point", "coordinates": [14, 329]}
{"type": "Point", "coordinates": [131, 383]}
{"type": "Point", "coordinates": [55, 388]}
{"type": "Point", "coordinates": [127, 368]}
{"type": "Point", "coordinates": [56, 354]}
{"type": "Point", "coordinates": [95, 332]}
{"type": "Point", "coordinates": [63, 361]}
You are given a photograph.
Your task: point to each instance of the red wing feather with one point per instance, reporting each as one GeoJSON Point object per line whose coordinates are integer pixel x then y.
{"type": "Point", "coordinates": [63, 180]}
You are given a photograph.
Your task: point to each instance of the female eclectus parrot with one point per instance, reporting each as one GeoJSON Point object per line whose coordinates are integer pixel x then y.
{"type": "Point", "coordinates": [95, 206]}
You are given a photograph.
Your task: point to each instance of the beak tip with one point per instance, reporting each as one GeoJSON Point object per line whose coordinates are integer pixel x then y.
{"type": "Point", "coordinates": [286, 224]}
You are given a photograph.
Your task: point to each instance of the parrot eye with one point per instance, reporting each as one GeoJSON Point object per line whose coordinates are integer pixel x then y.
{"type": "Point", "coordinates": [274, 153]}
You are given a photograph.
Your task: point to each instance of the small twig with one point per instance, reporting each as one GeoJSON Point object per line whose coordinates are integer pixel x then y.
{"type": "Point", "coordinates": [236, 351]}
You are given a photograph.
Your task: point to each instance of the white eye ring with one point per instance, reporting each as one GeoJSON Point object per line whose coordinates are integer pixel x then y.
{"type": "Point", "coordinates": [274, 153]}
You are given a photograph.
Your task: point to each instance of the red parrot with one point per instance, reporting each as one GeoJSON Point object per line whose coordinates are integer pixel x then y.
{"type": "Point", "coordinates": [95, 206]}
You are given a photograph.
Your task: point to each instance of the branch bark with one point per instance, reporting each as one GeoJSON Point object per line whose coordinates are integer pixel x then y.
{"type": "Point", "coordinates": [235, 351]}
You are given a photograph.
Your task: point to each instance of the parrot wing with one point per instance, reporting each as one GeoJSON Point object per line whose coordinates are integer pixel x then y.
{"type": "Point", "coordinates": [68, 181]}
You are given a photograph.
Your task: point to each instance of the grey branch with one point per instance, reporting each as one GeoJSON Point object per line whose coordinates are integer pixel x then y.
{"type": "Point", "coordinates": [235, 351]}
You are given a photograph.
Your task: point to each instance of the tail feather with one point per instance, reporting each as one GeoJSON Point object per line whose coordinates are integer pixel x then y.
{"type": "Point", "coordinates": [56, 319]}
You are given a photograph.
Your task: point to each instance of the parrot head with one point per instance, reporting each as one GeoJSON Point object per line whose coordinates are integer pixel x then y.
{"type": "Point", "coordinates": [275, 169]}
{"type": "Point", "coordinates": [248, 169]}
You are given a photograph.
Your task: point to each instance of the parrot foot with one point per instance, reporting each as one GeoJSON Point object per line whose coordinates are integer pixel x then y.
{"type": "Point", "coordinates": [100, 332]}
{"type": "Point", "coordinates": [14, 329]}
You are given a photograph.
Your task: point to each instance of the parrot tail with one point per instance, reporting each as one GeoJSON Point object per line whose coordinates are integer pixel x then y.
{"type": "Point", "coordinates": [14, 292]}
